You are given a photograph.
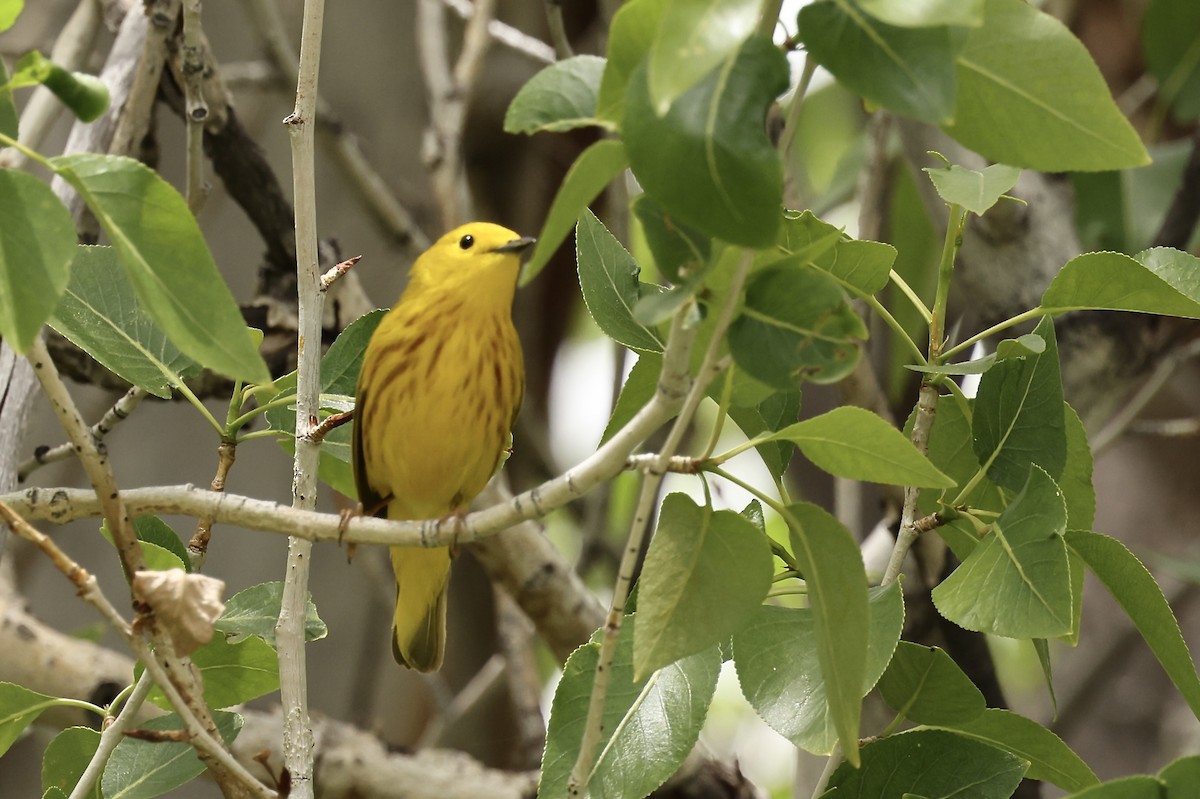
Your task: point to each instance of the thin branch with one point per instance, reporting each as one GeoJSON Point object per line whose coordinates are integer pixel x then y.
{"type": "Point", "coordinates": [118, 413]}
{"type": "Point", "coordinates": [338, 272]}
{"type": "Point", "coordinates": [507, 35]}
{"type": "Point", "coordinates": [1147, 391]}
{"type": "Point", "coordinates": [195, 106]}
{"type": "Point", "coordinates": [197, 547]}
{"type": "Point", "coordinates": [112, 735]}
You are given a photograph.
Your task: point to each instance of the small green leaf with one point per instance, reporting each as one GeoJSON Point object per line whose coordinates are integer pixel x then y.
{"type": "Point", "coordinates": [594, 169]}
{"type": "Point", "coordinates": [1028, 344]}
{"type": "Point", "coordinates": [977, 190]}
{"type": "Point", "coordinates": [837, 589]}
{"type": "Point", "coordinates": [255, 610]}
{"type": "Point", "coordinates": [561, 97]}
{"type": "Point", "coordinates": [1049, 758]}
{"type": "Point", "coordinates": [37, 244]}
{"type": "Point", "coordinates": [1016, 583]}
{"type": "Point", "coordinates": [163, 252]}
{"type": "Point", "coordinates": [101, 314]}
{"type": "Point", "coordinates": [650, 725]}
{"type": "Point", "coordinates": [908, 70]}
{"type": "Point", "coordinates": [856, 444]}
{"type": "Point", "coordinates": [694, 37]}
{"type": "Point", "coordinates": [18, 709]}
{"type": "Point", "coordinates": [66, 758]}
{"type": "Point", "coordinates": [141, 769]}
{"type": "Point", "coordinates": [1159, 281]}
{"type": "Point", "coordinates": [775, 653]}
{"type": "Point", "coordinates": [865, 265]}
{"type": "Point", "coordinates": [629, 36]}
{"type": "Point", "coordinates": [776, 411]}
{"type": "Point", "coordinates": [232, 673]}
{"type": "Point", "coordinates": [931, 763]}
{"type": "Point", "coordinates": [708, 159]}
{"type": "Point", "coordinates": [926, 13]}
{"type": "Point", "coordinates": [928, 687]}
{"type": "Point", "coordinates": [638, 389]}
{"type": "Point", "coordinates": [1030, 95]}
{"type": "Point", "coordinates": [705, 572]}
{"type": "Point", "coordinates": [1139, 595]}
{"type": "Point", "coordinates": [1019, 419]}
{"type": "Point", "coordinates": [1171, 47]}
{"type": "Point", "coordinates": [796, 325]}
{"type": "Point", "coordinates": [608, 276]}
{"type": "Point", "coordinates": [156, 556]}
{"type": "Point", "coordinates": [153, 530]}
{"type": "Point", "coordinates": [9, 11]}
{"type": "Point", "coordinates": [674, 244]}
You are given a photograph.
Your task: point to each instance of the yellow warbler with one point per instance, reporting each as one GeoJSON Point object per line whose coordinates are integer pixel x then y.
{"type": "Point", "coordinates": [441, 382]}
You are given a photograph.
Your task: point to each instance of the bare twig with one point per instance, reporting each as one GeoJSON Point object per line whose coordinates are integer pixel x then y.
{"type": "Point", "coordinates": [112, 735]}
{"type": "Point", "coordinates": [336, 273]}
{"type": "Point", "coordinates": [516, 644]}
{"type": "Point", "coordinates": [119, 412]}
{"type": "Point", "coordinates": [507, 35]}
{"type": "Point", "coordinates": [197, 547]}
{"type": "Point", "coordinates": [196, 107]}
{"type": "Point", "coordinates": [1127, 414]}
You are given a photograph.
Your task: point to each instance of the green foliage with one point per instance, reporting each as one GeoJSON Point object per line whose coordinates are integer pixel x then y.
{"type": "Point", "coordinates": [559, 98]}
{"type": "Point", "coordinates": [1170, 30]}
{"type": "Point", "coordinates": [232, 673]}
{"type": "Point", "coordinates": [255, 611]}
{"type": "Point", "coordinates": [85, 95]}
{"type": "Point", "coordinates": [145, 769]}
{"type": "Point", "coordinates": [977, 190]}
{"type": "Point", "coordinates": [65, 759]}
{"type": "Point", "coordinates": [18, 709]}
{"type": "Point", "coordinates": [608, 276]}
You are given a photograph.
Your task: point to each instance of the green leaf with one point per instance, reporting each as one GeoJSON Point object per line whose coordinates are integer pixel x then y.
{"type": "Point", "coordinates": [18, 709]}
{"type": "Point", "coordinates": [705, 572]}
{"type": "Point", "coordinates": [1028, 344]}
{"type": "Point", "coordinates": [594, 169]}
{"type": "Point", "coordinates": [650, 725]}
{"type": "Point", "coordinates": [708, 159]}
{"type": "Point", "coordinates": [676, 246]}
{"type": "Point", "coordinates": [694, 37]}
{"type": "Point", "coordinates": [153, 530]}
{"type": "Point", "coordinates": [1030, 95]}
{"type": "Point", "coordinates": [37, 243]}
{"type": "Point", "coordinates": [1159, 281]}
{"type": "Point", "coordinates": [865, 265]}
{"type": "Point", "coordinates": [931, 763]}
{"type": "Point", "coordinates": [856, 444]}
{"type": "Point", "coordinates": [162, 250]}
{"type": "Point", "coordinates": [156, 556]}
{"type": "Point", "coordinates": [629, 36]}
{"type": "Point", "coordinates": [796, 325]}
{"type": "Point", "coordinates": [772, 413]}
{"type": "Point", "coordinates": [561, 97]}
{"type": "Point", "coordinates": [928, 687]}
{"type": "Point", "coordinates": [66, 758]}
{"type": "Point", "coordinates": [101, 314]}
{"type": "Point", "coordinates": [145, 769]}
{"type": "Point", "coordinates": [1171, 46]}
{"type": "Point", "coordinates": [833, 570]}
{"type": "Point", "coordinates": [908, 70]}
{"type": "Point", "coordinates": [1016, 583]}
{"type": "Point", "coordinates": [1182, 777]}
{"type": "Point", "coordinates": [1139, 595]}
{"type": "Point", "coordinates": [1049, 758]}
{"type": "Point", "coordinates": [926, 13]}
{"type": "Point", "coordinates": [976, 190]}
{"type": "Point", "coordinates": [777, 666]}
{"type": "Point", "coordinates": [254, 611]}
{"type": "Point", "coordinates": [1018, 418]}
{"type": "Point", "coordinates": [9, 11]}
{"type": "Point", "coordinates": [608, 276]}
{"type": "Point", "coordinates": [638, 389]}
{"type": "Point", "coordinates": [232, 673]}
{"type": "Point", "coordinates": [1138, 786]}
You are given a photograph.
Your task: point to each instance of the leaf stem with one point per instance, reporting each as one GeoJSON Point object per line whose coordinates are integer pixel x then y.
{"type": "Point", "coordinates": [1024, 316]}
{"type": "Point", "coordinates": [911, 295]}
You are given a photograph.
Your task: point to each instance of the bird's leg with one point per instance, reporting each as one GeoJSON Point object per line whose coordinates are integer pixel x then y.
{"type": "Point", "coordinates": [458, 514]}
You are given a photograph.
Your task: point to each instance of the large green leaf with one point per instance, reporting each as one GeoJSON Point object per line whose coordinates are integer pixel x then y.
{"type": "Point", "coordinates": [694, 37]}
{"type": "Point", "coordinates": [102, 315]}
{"type": "Point", "coordinates": [232, 673]}
{"type": "Point", "coordinates": [255, 610]}
{"type": "Point", "coordinates": [18, 708]}
{"type": "Point", "coordinates": [560, 97]}
{"type": "Point", "coordinates": [629, 37]}
{"type": "Point", "coordinates": [1030, 95]}
{"type": "Point", "coordinates": [163, 252]}
{"type": "Point", "coordinates": [796, 325]}
{"type": "Point", "coordinates": [1016, 583]}
{"type": "Point", "coordinates": [772, 413]}
{"type": "Point", "coordinates": [66, 758]}
{"type": "Point", "coordinates": [1171, 46]}
{"type": "Point", "coordinates": [141, 769]}
{"type": "Point", "coordinates": [708, 159]}
{"type": "Point", "coordinates": [594, 169]}
{"type": "Point", "coordinates": [927, 686]}
{"type": "Point", "coordinates": [679, 249]}
{"type": "Point", "coordinates": [705, 572]}
{"type": "Point", "coordinates": [650, 725]}
{"type": "Point", "coordinates": [9, 11]}
{"type": "Point", "coordinates": [1139, 786]}
{"type": "Point", "coordinates": [856, 444]}
{"type": "Point", "coordinates": [908, 70]}
{"type": "Point", "coordinates": [775, 653]}
{"type": "Point", "coordinates": [608, 276]}
{"type": "Point", "coordinates": [1182, 777]}
{"type": "Point", "coordinates": [926, 13]}
{"type": "Point", "coordinates": [37, 244]}
{"type": "Point", "coordinates": [1018, 419]}
{"type": "Point", "coordinates": [1139, 595]}
{"type": "Point", "coordinates": [933, 764]}
{"type": "Point", "coordinates": [865, 265]}
{"type": "Point", "coordinates": [1049, 758]}
{"type": "Point", "coordinates": [837, 590]}
{"type": "Point", "coordinates": [1160, 281]}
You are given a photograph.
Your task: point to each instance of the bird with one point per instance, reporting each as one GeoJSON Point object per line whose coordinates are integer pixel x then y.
{"type": "Point", "coordinates": [441, 383]}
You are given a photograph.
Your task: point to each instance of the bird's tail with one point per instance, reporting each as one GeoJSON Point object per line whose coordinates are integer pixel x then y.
{"type": "Point", "coordinates": [419, 625]}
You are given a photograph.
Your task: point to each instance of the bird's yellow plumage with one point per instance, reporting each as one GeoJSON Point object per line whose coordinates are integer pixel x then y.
{"type": "Point", "coordinates": [441, 382]}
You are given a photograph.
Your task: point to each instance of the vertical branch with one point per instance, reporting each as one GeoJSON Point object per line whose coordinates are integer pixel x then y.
{"type": "Point", "coordinates": [289, 630]}
{"type": "Point", "coordinates": [195, 106]}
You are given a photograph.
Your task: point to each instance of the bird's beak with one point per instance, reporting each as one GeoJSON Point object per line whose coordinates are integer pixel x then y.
{"type": "Point", "coordinates": [516, 245]}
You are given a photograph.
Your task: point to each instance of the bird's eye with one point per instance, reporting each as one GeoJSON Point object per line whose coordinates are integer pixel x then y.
{"type": "Point", "coordinates": [466, 242]}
